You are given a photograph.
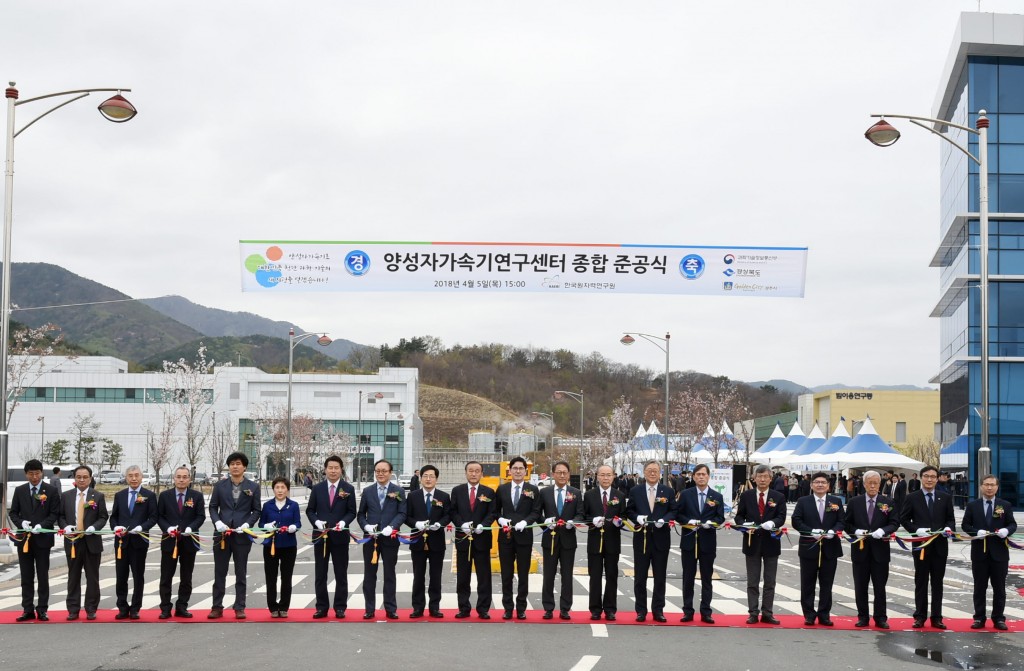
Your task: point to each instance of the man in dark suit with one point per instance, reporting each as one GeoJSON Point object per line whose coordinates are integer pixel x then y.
{"type": "Point", "coordinates": [381, 512]}
{"type": "Point", "coordinates": [704, 508]}
{"type": "Point", "coordinates": [331, 510]}
{"type": "Point", "coordinates": [763, 510]}
{"type": "Point", "coordinates": [913, 485]}
{"type": "Point", "coordinates": [83, 510]}
{"type": "Point", "coordinates": [872, 518]}
{"type": "Point", "coordinates": [928, 511]}
{"type": "Point", "coordinates": [650, 508]}
{"type": "Point", "coordinates": [517, 506]}
{"type": "Point", "coordinates": [604, 507]}
{"type": "Point", "coordinates": [234, 508]}
{"type": "Point", "coordinates": [36, 506]}
{"type": "Point", "coordinates": [562, 508]}
{"type": "Point", "coordinates": [180, 512]}
{"type": "Point", "coordinates": [429, 512]}
{"type": "Point", "coordinates": [55, 480]}
{"type": "Point", "coordinates": [990, 557]}
{"type": "Point", "coordinates": [133, 513]}
{"type": "Point", "coordinates": [819, 518]}
{"type": "Point", "coordinates": [473, 512]}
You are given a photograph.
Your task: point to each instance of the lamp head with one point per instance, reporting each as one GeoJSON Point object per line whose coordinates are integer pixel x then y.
{"type": "Point", "coordinates": [627, 339]}
{"type": "Point", "coordinates": [882, 134]}
{"type": "Point", "coordinates": [117, 109]}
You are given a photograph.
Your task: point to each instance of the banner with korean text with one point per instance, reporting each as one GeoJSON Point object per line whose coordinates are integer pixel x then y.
{"type": "Point", "coordinates": [475, 267]}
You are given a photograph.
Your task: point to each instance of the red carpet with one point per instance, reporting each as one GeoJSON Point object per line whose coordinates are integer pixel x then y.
{"type": "Point", "coordinates": [532, 617]}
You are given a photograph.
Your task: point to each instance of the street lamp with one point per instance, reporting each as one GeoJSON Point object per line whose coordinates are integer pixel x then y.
{"type": "Point", "coordinates": [882, 134]}
{"type": "Point", "coordinates": [42, 435]}
{"type": "Point", "coordinates": [551, 418]}
{"type": "Point", "coordinates": [576, 397]}
{"type": "Point", "coordinates": [116, 109]}
{"type": "Point", "coordinates": [627, 340]}
{"type": "Point", "coordinates": [293, 341]}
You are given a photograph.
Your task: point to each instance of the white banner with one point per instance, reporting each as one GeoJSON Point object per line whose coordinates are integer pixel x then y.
{"type": "Point", "coordinates": [721, 481]}
{"type": "Point", "coordinates": [476, 267]}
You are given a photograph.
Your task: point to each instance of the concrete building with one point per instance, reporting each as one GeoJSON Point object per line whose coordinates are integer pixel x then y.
{"type": "Point", "coordinates": [899, 417]}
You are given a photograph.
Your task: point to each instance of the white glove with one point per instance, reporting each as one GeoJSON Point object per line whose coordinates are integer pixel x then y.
{"type": "Point", "coordinates": [137, 530]}
{"type": "Point", "coordinates": [861, 532]}
{"type": "Point", "coordinates": [550, 521]}
{"type": "Point", "coordinates": [37, 528]}
{"type": "Point", "coordinates": [982, 533]}
{"type": "Point", "coordinates": [659, 523]}
{"type": "Point", "coordinates": [188, 530]}
{"type": "Point", "coordinates": [435, 526]}
{"type": "Point", "coordinates": [120, 530]}
{"type": "Point", "coordinates": [693, 523]}
{"type": "Point", "coordinates": [270, 525]}
{"type": "Point", "coordinates": [878, 534]}
{"type": "Point", "coordinates": [26, 525]}
{"type": "Point", "coordinates": [370, 528]}
{"type": "Point", "coordinates": [831, 533]}
{"type": "Point", "coordinates": [90, 530]}
{"type": "Point", "coordinates": [245, 525]}
{"type": "Point", "coordinates": [421, 525]}
{"type": "Point", "coordinates": [504, 522]}
{"type": "Point", "coordinates": [340, 526]}
{"type": "Point", "coordinates": [320, 524]}
{"type": "Point", "coordinates": [947, 530]}
{"type": "Point", "coordinates": [386, 531]}
{"type": "Point", "coordinates": [69, 529]}
{"type": "Point", "coordinates": [817, 532]}
{"type": "Point", "coordinates": [479, 529]}
{"type": "Point", "coordinates": [171, 530]}
{"type": "Point", "coordinates": [520, 525]}
{"type": "Point", "coordinates": [768, 526]}
{"type": "Point", "coordinates": [641, 519]}
{"type": "Point", "coordinates": [467, 527]}
{"type": "Point", "coordinates": [220, 526]}
{"type": "Point", "coordinates": [707, 525]}
{"type": "Point", "coordinates": [598, 521]}
{"type": "Point", "coordinates": [922, 532]}
{"type": "Point", "coordinates": [292, 528]}
{"type": "Point", "coordinates": [569, 524]}
{"type": "Point", "coordinates": [1003, 533]}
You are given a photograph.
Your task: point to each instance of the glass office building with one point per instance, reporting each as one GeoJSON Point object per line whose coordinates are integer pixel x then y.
{"type": "Point", "coordinates": [985, 71]}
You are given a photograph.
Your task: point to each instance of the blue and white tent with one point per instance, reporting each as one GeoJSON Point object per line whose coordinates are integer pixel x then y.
{"type": "Point", "coordinates": [793, 441]}
{"type": "Point", "coordinates": [954, 455]}
{"type": "Point", "coordinates": [815, 439]}
{"type": "Point", "coordinates": [773, 442]}
{"type": "Point", "coordinates": [820, 459]}
{"type": "Point", "coordinates": [868, 449]}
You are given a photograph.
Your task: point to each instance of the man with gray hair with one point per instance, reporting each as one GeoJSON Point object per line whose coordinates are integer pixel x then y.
{"type": "Point", "coordinates": [871, 518]}
{"type": "Point", "coordinates": [762, 510]}
{"type": "Point", "coordinates": [133, 514]}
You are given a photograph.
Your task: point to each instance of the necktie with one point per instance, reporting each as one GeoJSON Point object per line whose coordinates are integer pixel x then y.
{"type": "Point", "coordinates": [131, 501]}
{"type": "Point", "coordinates": [80, 513]}
{"type": "Point", "coordinates": [930, 503]}
{"type": "Point", "coordinates": [650, 498]}
{"type": "Point", "coordinates": [561, 500]}
{"type": "Point", "coordinates": [988, 512]}
{"type": "Point", "coordinates": [34, 496]}
{"type": "Point", "coordinates": [871, 510]}
{"type": "Point", "coordinates": [760, 505]}
{"type": "Point", "coordinates": [334, 490]}
{"type": "Point", "coordinates": [472, 497]}
{"type": "Point", "coordinates": [515, 497]}
{"type": "Point", "coordinates": [821, 510]}
{"type": "Point", "coordinates": [604, 502]}
{"type": "Point", "coordinates": [702, 495]}
{"type": "Point", "coordinates": [181, 503]}
{"type": "Point", "coordinates": [380, 495]}
{"type": "Point", "coordinates": [429, 504]}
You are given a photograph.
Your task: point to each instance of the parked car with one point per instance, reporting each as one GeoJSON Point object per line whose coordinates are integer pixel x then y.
{"type": "Point", "coordinates": [252, 475]}
{"type": "Point", "coordinates": [110, 478]}
{"type": "Point", "coordinates": [148, 479]}
{"type": "Point", "coordinates": [215, 478]}
{"type": "Point", "coordinates": [200, 477]}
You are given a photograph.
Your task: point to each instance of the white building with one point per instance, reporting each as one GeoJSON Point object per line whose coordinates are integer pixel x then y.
{"type": "Point", "coordinates": [378, 412]}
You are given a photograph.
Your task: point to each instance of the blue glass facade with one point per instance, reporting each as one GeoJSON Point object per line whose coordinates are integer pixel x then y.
{"type": "Point", "coordinates": [994, 84]}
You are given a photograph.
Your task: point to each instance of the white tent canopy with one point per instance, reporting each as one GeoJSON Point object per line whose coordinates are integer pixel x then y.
{"type": "Point", "coordinates": [773, 441]}
{"type": "Point", "coordinates": [793, 441]}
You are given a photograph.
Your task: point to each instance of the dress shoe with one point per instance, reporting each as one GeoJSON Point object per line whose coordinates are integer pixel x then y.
{"type": "Point", "coordinates": [416, 614]}
{"type": "Point", "coordinates": [275, 614]}
{"type": "Point", "coordinates": [338, 613]}
{"type": "Point", "coordinates": [610, 617]}
{"type": "Point", "coordinates": [564, 615]}
{"type": "Point", "coordinates": [687, 618]}
{"type": "Point", "coordinates": [1000, 625]}
{"type": "Point", "coordinates": [595, 616]}
{"type": "Point", "coordinates": [462, 615]}
{"type": "Point", "coordinates": [239, 613]}
{"type": "Point", "coordinates": [71, 617]}
{"type": "Point", "coordinates": [978, 624]}
{"type": "Point", "coordinates": [369, 615]}
{"type": "Point", "coordinates": [134, 615]}
{"type": "Point", "coordinates": [809, 621]}
{"type": "Point", "coordinates": [42, 616]}
{"type": "Point", "coordinates": [882, 625]}
{"type": "Point", "coordinates": [825, 622]}
{"type": "Point", "coordinates": [707, 619]}
{"type": "Point", "coordinates": [484, 615]}
{"type": "Point", "coordinates": [937, 623]}
{"type": "Point", "coordinates": [282, 614]}
{"type": "Point", "coordinates": [182, 612]}
{"type": "Point", "coordinates": [25, 617]}
{"type": "Point", "coordinates": [320, 614]}
{"type": "Point", "coordinates": [918, 624]}
{"type": "Point", "coordinates": [752, 619]}
{"type": "Point", "coordinates": [90, 615]}
{"type": "Point", "coordinates": [215, 613]}
{"type": "Point", "coordinates": [641, 618]}
{"type": "Point", "coordinates": [860, 623]}
{"type": "Point", "coordinates": [521, 615]}
{"type": "Point", "coordinates": [769, 619]}
{"type": "Point", "coordinates": [165, 615]}
{"type": "Point", "coordinates": [391, 615]}
{"type": "Point", "coordinates": [660, 617]}
{"type": "Point", "coordinates": [507, 615]}
{"type": "Point", "coordinates": [437, 613]}
{"type": "Point", "coordinates": [548, 615]}
{"type": "Point", "coordinates": [121, 615]}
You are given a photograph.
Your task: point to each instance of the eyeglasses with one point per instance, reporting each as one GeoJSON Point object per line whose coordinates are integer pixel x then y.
{"type": "Point", "coordinates": [380, 472]}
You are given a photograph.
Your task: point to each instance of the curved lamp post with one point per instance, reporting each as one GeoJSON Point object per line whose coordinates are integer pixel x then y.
{"type": "Point", "coordinates": [116, 109]}
{"type": "Point", "coordinates": [578, 397]}
{"type": "Point", "coordinates": [883, 134]}
{"type": "Point", "coordinates": [293, 341]}
{"type": "Point", "coordinates": [627, 340]}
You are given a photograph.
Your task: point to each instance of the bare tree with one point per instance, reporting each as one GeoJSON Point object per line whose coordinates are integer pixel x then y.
{"type": "Point", "coordinates": [160, 443]}
{"type": "Point", "coordinates": [696, 409]}
{"type": "Point", "coordinates": [85, 430]}
{"type": "Point", "coordinates": [616, 430]}
{"type": "Point", "coordinates": [221, 443]}
{"type": "Point", "coordinates": [188, 390]}
{"type": "Point", "coordinates": [922, 449]}
{"type": "Point", "coordinates": [25, 364]}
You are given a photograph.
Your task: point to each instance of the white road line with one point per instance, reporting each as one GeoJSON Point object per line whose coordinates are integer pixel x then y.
{"type": "Point", "coordinates": [599, 630]}
{"type": "Point", "coordinates": [586, 663]}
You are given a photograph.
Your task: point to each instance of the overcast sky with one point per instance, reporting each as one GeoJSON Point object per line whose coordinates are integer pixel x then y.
{"type": "Point", "coordinates": [684, 123]}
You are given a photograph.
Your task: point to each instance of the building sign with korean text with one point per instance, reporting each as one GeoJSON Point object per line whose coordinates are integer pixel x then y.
{"type": "Point", "coordinates": [483, 267]}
